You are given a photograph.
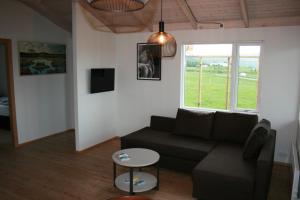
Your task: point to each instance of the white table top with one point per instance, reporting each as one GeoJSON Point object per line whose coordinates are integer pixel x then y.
{"type": "Point", "coordinates": [138, 157]}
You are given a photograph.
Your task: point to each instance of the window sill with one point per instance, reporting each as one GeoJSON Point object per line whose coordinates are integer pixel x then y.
{"type": "Point", "coordinates": [221, 110]}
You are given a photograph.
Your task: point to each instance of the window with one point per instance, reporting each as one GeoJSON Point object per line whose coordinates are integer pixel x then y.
{"type": "Point", "coordinates": [248, 68]}
{"type": "Point", "coordinates": [217, 78]}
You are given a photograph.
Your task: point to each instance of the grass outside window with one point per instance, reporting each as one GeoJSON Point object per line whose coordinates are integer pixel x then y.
{"type": "Point", "coordinates": [208, 81]}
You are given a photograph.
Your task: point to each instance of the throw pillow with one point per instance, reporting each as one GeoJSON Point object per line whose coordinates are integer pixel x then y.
{"type": "Point", "coordinates": [256, 139]}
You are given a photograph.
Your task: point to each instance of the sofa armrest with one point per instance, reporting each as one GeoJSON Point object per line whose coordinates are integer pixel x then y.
{"type": "Point", "coordinates": [264, 168]}
{"type": "Point", "coordinates": [129, 137]}
{"type": "Point", "coordinates": [162, 123]}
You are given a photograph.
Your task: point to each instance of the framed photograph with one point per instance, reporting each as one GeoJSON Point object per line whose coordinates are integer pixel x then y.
{"type": "Point", "coordinates": [148, 61]}
{"type": "Point", "coordinates": [41, 58]}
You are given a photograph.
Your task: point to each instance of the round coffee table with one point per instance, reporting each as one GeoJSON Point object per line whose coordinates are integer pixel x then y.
{"type": "Point", "coordinates": [135, 180]}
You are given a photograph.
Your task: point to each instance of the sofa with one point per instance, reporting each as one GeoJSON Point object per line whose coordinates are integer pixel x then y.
{"type": "Point", "coordinates": [229, 155]}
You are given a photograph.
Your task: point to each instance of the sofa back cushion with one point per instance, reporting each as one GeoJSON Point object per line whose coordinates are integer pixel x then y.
{"type": "Point", "coordinates": [257, 139]}
{"type": "Point", "coordinates": [194, 123]}
{"type": "Point", "coordinates": [233, 127]}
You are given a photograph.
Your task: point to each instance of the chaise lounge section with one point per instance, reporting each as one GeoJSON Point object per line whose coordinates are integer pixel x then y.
{"type": "Point", "coordinates": [212, 146]}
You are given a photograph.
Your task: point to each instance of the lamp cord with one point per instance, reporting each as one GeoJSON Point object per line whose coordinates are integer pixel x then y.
{"type": "Point", "coordinates": [161, 12]}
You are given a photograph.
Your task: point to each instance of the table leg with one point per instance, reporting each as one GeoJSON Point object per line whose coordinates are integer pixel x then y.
{"type": "Point", "coordinates": [157, 176]}
{"type": "Point", "coordinates": [115, 172]}
{"type": "Point", "coordinates": [131, 181]}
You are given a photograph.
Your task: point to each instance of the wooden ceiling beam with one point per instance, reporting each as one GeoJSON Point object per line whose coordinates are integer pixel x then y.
{"type": "Point", "coordinates": [140, 18]}
{"type": "Point", "coordinates": [188, 13]}
{"type": "Point", "coordinates": [244, 12]}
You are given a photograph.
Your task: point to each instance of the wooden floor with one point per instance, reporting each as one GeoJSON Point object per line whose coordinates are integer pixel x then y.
{"type": "Point", "coordinates": [51, 169]}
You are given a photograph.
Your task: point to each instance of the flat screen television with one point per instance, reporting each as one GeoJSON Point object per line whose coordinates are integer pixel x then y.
{"type": "Point", "coordinates": [102, 80]}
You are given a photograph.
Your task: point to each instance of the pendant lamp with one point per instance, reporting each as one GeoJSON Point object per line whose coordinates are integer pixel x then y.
{"type": "Point", "coordinates": [168, 42]}
{"type": "Point", "coordinates": [118, 5]}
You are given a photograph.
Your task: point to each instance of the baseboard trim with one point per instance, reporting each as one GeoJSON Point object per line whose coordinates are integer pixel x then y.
{"type": "Point", "coordinates": [282, 164]}
{"type": "Point", "coordinates": [35, 140]}
{"type": "Point", "coordinates": [97, 145]}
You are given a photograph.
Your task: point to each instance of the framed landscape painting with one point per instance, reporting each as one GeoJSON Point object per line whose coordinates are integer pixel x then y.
{"type": "Point", "coordinates": [41, 58]}
{"type": "Point", "coordinates": [148, 61]}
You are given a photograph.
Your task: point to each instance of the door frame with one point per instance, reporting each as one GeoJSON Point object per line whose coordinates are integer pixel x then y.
{"type": "Point", "coordinates": [11, 91]}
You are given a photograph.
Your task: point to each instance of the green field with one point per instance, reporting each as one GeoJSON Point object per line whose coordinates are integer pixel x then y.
{"type": "Point", "coordinates": [215, 87]}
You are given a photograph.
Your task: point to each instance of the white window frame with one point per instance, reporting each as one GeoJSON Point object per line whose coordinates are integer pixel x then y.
{"type": "Point", "coordinates": [235, 58]}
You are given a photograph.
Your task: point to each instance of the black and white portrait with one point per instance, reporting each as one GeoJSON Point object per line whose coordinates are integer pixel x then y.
{"type": "Point", "coordinates": [148, 61]}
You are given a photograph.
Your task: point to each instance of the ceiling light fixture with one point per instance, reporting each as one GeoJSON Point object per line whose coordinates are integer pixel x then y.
{"type": "Point", "coordinates": [168, 42]}
{"type": "Point", "coordinates": [118, 5]}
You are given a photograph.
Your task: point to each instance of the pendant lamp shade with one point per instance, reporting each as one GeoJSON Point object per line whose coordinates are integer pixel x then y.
{"type": "Point", "coordinates": [166, 40]}
{"type": "Point", "coordinates": [118, 5]}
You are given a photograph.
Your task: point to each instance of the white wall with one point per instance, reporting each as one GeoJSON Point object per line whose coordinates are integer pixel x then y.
{"type": "Point", "coordinates": [3, 78]}
{"type": "Point", "coordinates": [280, 75]}
{"type": "Point", "coordinates": [95, 113]}
{"type": "Point", "coordinates": [43, 102]}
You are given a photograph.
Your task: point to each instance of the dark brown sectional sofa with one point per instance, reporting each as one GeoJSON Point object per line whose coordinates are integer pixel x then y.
{"type": "Point", "coordinates": [212, 147]}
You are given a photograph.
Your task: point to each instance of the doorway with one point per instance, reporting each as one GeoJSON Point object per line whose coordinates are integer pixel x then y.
{"type": "Point", "coordinates": [8, 124]}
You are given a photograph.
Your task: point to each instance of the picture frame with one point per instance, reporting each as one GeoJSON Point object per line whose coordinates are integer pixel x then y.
{"type": "Point", "coordinates": [149, 61]}
{"type": "Point", "coordinates": [40, 58]}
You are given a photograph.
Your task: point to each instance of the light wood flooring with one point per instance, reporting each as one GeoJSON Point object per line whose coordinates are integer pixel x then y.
{"type": "Point", "coordinates": [51, 169]}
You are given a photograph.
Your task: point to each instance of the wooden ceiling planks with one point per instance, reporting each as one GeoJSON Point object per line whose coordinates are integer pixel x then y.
{"type": "Point", "coordinates": [59, 12]}
{"type": "Point", "coordinates": [177, 14]}
{"type": "Point", "coordinates": [214, 10]}
{"type": "Point", "coordinates": [96, 15]}
{"type": "Point", "coordinates": [274, 8]}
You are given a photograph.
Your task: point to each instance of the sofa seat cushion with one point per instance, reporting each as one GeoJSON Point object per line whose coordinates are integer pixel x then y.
{"type": "Point", "coordinates": [194, 123]}
{"type": "Point", "coordinates": [168, 144]}
{"type": "Point", "coordinates": [233, 127]}
{"type": "Point", "coordinates": [224, 174]}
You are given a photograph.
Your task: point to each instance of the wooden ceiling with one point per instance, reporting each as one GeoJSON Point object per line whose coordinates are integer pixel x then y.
{"type": "Point", "coordinates": [57, 11]}
{"type": "Point", "coordinates": [177, 14]}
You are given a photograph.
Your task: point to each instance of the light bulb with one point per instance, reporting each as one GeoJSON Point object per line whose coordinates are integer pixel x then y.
{"type": "Point", "coordinates": [162, 38]}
